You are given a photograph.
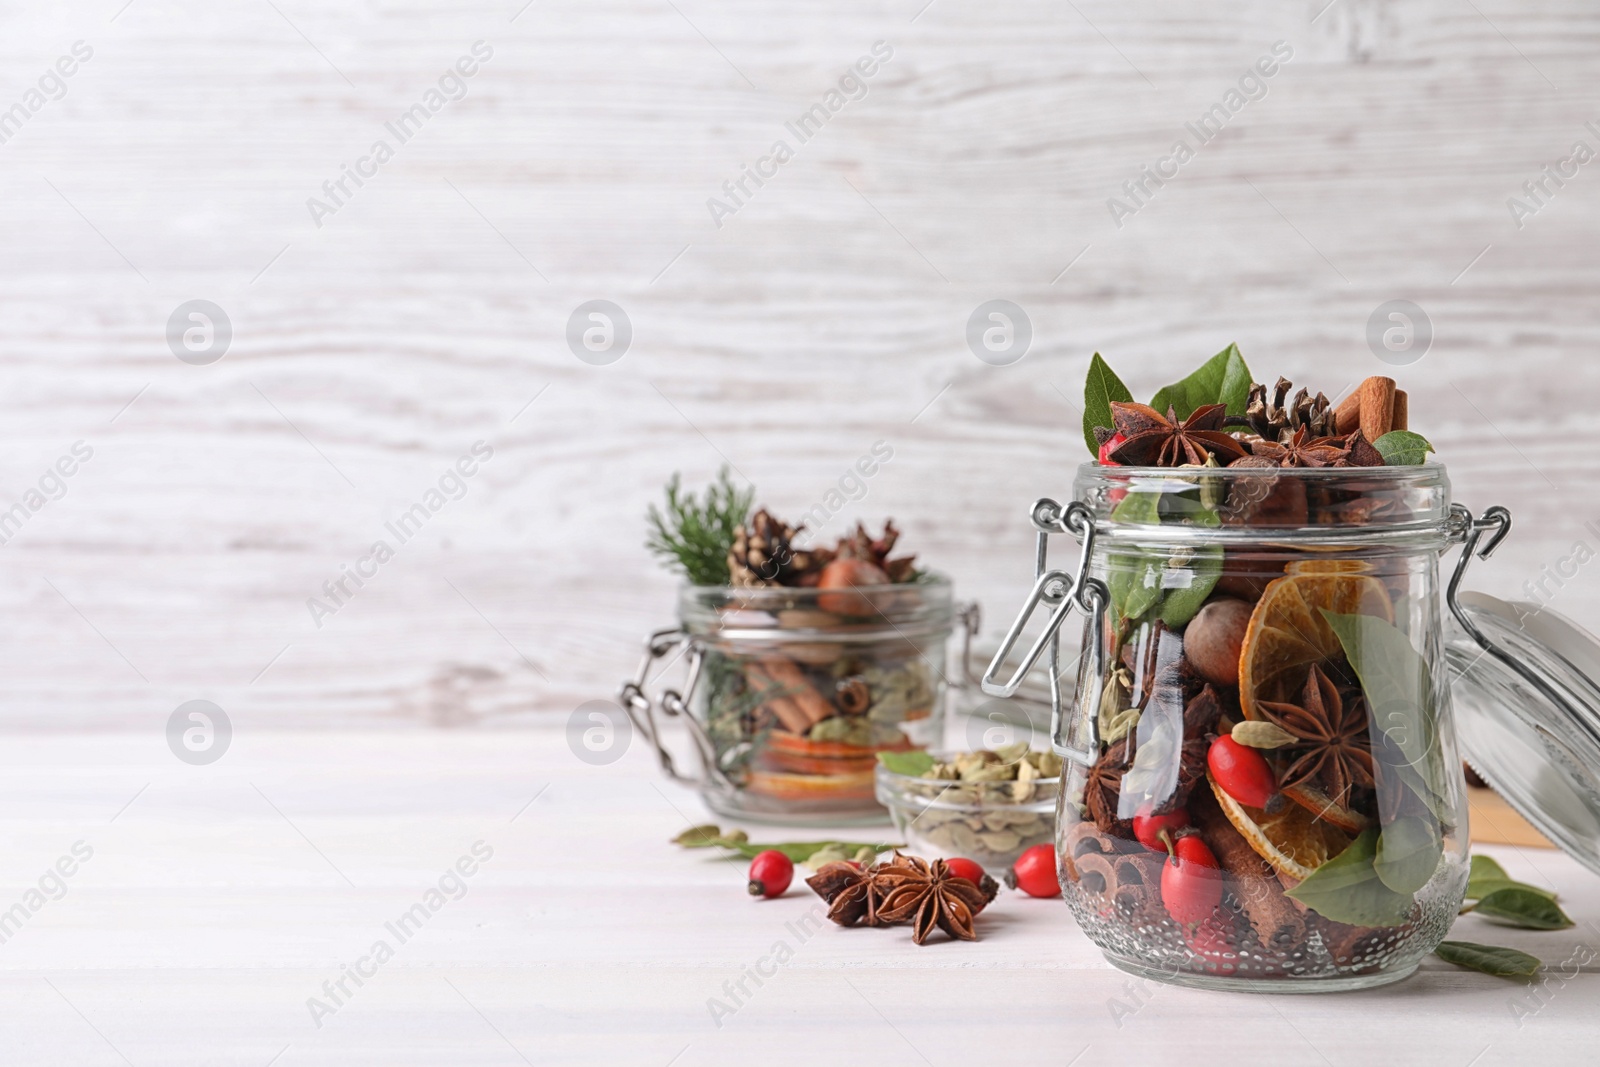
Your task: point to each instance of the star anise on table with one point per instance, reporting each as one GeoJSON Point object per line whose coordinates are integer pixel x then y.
{"type": "Point", "coordinates": [929, 897]}
{"type": "Point", "coordinates": [853, 895]}
{"type": "Point", "coordinates": [1332, 745]}
{"type": "Point", "coordinates": [1154, 440]}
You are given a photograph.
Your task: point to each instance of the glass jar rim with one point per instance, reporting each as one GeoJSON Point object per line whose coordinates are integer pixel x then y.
{"type": "Point", "coordinates": [924, 607]}
{"type": "Point", "coordinates": [1391, 504]}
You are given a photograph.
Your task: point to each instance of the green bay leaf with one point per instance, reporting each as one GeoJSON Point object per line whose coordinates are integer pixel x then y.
{"type": "Point", "coordinates": [1347, 888]}
{"type": "Point", "coordinates": [1402, 448]}
{"type": "Point", "coordinates": [1222, 379]}
{"type": "Point", "coordinates": [1399, 691]}
{"type": "Point", "coordinates": [1408, 854]}
{"type": "Point", "coordinates": [1100, 390]}
{"type": "Point", "coordinates": [1486, 877]}
{"type": "Point", "coordinates": [1523, 907]}
{"type": "Point", "coordinates": [1186, 588]}
{"type": "Point", "coordinates": [911, 764]}
{"type": "Point", "coordinates": [1490, 959]}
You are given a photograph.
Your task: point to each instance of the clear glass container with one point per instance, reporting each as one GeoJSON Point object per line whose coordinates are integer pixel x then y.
{"type": "Point", "coordinates": [990, 823]}
{"type": "Point", "coordinates": [792, 693]}
{"type": "Point", "coordinates": [1264, 671]}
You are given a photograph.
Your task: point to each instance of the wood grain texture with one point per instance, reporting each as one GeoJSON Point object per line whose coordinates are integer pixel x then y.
{"type": "Point", "coordinates": [827, 314]}
{"type": "Point", "coordinates": [218, 900]}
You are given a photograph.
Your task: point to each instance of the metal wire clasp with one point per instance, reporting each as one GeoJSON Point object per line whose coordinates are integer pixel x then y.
{"type": "Point", "coordinates": [1063, 591]}
{"type": "Point", "coordinates": [641, 710]}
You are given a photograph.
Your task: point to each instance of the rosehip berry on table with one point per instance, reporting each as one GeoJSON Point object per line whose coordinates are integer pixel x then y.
{"type": "Point", "coordinates": [770, 873]}
{"type": "Point", "coordinates": [1244, 774]}
{"type": "Point", "coordinates": [962, 867]}
{"type": "Point", "coordinates": [1150, 829]}
{"type": "Point", "coordinates": [1035, 872]}
{"type": "Point", "coordinates": [1191, 883]}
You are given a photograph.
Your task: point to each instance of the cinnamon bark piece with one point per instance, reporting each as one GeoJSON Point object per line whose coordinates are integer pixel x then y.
{"type": "Point", "coordinates": [1347, 416]}
{"type": "Point", "coordinates": [1377, 406]}
{"type": "Point", "coordinates": [782, 708]}
{"type": "Point", "coordinates": [1402, 411]}
{"type": "Point", "coordinates": [812, 704]}
{"type": "Point", "coordinates": [1279, 922]}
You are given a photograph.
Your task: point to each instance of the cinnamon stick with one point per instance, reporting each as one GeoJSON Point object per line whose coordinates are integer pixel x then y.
{"type": "Point", "coordinates": [1347, 416]}
{"type": "Point", "coordinates": [1402, 413]}
{"type": "Point", "coordinates": [1377, 406]}
{"type": "Point", "coordinates": [812, 704]}
{"type": "Point", "coordinates": [787, 711]}
{"type": "Point", "coordinates": [1279, 922]}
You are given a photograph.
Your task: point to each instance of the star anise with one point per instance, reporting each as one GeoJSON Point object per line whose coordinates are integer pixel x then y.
{"type": "Point", "coordinates": [853, 895]}
{"type": "Point", "coordinates": [1104, 787]}
{"type": "Point", "coordinates": [1332, 745]}
{"type": "Point", "coordinates": [1300, 449]}
{"type": "Point", "coordinates": [1154, 441]}
{"type": "Point", "coordinates": [929, 897]}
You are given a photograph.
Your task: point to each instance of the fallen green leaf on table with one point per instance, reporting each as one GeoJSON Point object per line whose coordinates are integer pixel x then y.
{"type": "Point", "coordinates": [913, 764]}
{"type": "Point", "coordinates": [1521, 906]}
{"type": "Point", "coordinates": [1490, 959]}
{"type": "Point", "coordinates": [1502, 899]}
{"type": "Point", "coordinates": [1486, 876]}
{"type": "Point", "coordinates": [798, 851]}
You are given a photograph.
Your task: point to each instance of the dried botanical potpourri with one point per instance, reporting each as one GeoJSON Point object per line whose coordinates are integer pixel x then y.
{"type": "Point", "coordinates": [990, 805]}
{"type": "Point", "coordinates": [1273, 793]}
{"type": "Point", "coordinates": [813, 657]}
{"type": "Point", "coordinates": [904, 891]}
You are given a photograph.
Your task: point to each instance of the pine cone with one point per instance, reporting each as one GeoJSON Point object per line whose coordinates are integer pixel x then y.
{"type": "Point", "coordinates": [1274, 421]}
{"type": "Point", "coordinates": [764, 554]}
{"type": "Point", "coordinates": [862, 545]}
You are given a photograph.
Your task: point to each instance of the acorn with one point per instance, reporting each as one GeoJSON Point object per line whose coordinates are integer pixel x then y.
{"type": "Point", "coordinates": [1213, 638]}
{"type": "Point", "coordinates": [849, 574]}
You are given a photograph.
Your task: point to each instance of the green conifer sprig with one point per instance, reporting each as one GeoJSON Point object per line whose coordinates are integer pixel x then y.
{"type": "Point", "coordinates": [693, 536]}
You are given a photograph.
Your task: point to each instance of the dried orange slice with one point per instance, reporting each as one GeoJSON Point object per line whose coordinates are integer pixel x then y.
{"type": "Point", "coordinates": [1329, 566]}
{"type": "Point", "coordinates": [784, 786]}
{"type": "Point", "coordinates": [1293, 840]}
{"type": "Point", "coordinates": [1287, 632]}
{"type": "Point", "coordinates": [1323, 807]}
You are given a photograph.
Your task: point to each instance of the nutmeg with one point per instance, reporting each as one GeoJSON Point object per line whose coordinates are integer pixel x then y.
{"type": "Point", "coordinates": [849, 574]}
{"type": "Point", "coordinates": [1213, 638]}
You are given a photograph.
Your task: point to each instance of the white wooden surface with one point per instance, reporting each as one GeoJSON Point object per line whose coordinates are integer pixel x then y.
{"type": "Point", "coordinates": [827, 314]}
{"type": "Point", "coordinates": [221, 898]}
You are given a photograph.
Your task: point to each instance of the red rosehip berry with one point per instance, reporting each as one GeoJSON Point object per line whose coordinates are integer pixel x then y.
{"type": "Point", "coordinates": [1213, 942]}
{"type": "Point", "coordinates": [770, 873]}
{"type": "Point", "coordinates": [1244, 774]}
{"type": "Point", "coordinates": [962, 867]}
{"type": "Point", "coordinates": [1113, 443]}
{"type": "Point", "coordinates": [1191, 883]}
{"type": "Point", "coordinates": [1152, 829]}
{"type": "Point", "coordinates": [1035, 872]}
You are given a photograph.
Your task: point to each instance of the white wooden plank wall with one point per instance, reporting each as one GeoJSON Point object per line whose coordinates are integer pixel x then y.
{"type": "Point", "coordinates": [826, 314]}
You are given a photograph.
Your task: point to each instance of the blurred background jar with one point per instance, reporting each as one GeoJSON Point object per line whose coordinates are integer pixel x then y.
{"type": "Point", "coordinates": [791, 693]}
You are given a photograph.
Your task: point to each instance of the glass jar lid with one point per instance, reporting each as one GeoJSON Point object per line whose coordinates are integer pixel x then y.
{"type": "Point", "coordinates": [1528, 714]}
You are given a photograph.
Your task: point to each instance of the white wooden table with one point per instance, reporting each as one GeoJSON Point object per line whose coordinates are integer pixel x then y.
{"type": "Point", "coordinates": [218, 899]}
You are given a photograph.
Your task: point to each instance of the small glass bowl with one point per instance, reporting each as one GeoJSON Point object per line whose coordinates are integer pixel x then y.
{"type": "Point", "coordinates": [991, 823]}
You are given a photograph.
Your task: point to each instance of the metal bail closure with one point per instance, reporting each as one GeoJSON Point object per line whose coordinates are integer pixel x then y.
{"type": "Point", "coordinates": [1526, 685]}
{"type": "Point", "coordinates": [1065, 591]}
